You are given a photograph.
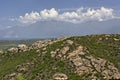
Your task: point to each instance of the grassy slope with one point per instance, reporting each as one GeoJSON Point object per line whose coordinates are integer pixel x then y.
{"type": "Point", "coordinates": [107, 49]}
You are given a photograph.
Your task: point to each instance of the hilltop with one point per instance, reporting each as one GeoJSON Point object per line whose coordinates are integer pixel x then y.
{"type": "Point", "coordinates": [92, 57]}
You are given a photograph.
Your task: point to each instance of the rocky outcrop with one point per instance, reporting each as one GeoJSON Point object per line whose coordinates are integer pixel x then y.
{"type": "Point", "coordinates": [19, 48]}
{"type": "Point", "coordinates": [22, 47]}
{"type": "Point", "coordinates": [44, 43]}
{"type": "Point", "coordinates": [86, 64]}
{"type": "Point", "coordinates": [35, 45]}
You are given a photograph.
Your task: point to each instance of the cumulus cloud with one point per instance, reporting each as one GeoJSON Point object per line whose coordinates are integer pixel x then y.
{"type": "Point", "coordinates": [49, 14]}
{"type": "Point", "coordinates": [77, 16]}
{"type": "Point", "coordinates": [30, 18]}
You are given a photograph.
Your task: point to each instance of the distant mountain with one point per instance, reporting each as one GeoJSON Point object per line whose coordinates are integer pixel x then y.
{"type": "Point", "coordinates": [53, 29]}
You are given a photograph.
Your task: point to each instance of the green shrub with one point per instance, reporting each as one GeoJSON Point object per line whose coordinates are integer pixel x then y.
{"type": "Point", "coordinates": [20, 78]}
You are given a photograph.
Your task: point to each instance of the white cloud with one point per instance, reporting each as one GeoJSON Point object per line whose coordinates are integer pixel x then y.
{"type": "Point", "coordinates": [47, 14]}
{"type": "Point", "coordinates": [30, 18]}
{"type": "Point", "coordinates": [77, 16]}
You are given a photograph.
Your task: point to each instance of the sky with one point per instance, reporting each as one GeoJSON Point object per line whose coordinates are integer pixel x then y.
{"type": "Point", "coordinates": [26, 19]}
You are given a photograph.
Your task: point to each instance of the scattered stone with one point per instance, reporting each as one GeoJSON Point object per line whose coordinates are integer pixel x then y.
{"type": "Point", "coordinates": [12, 75]}
{"type": "Point", "coordinates": [57, 50]}
{"type": "Point", "coordinates": [100, 39]}
{"type": "Point", "coordinates": [1, 52]}
{"type": "Point", "coordinates": [60, 76]}
{"type": "Point", "coordinates": [44, 49]}
{"type": "Point", "coordinates": [24, 67]}
{"type": "Point", "coordinates": [37, 50]}
{"type": "Point", "coordinates": [106, 38]}
{"type": "Point", "coordinates": [115, 39]}
{"type": "Point", "coordinates": [107, 35]}
{"type": "Point", "coordinates": [44, 52]}
{"type": "Point", "coordinates": [64, 50]}
{"type": "Point", "coordinates": [53, 53]}
{"type": "Point", "coordinates": [116, 76]}
{"type": "Point", "coordinates": [69, 42]}
{"type": "Point", "coordinates": [82, 53]}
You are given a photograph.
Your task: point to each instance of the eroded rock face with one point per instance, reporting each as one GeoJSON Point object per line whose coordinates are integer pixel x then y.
{"type": "Point", "coordinates": [91, 65]}
{"type": "Point", "coordinates": [86, 64]}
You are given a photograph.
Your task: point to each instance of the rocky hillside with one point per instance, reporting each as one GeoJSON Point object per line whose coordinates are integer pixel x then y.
{"type": "Point", "coordinates": [94, 57]}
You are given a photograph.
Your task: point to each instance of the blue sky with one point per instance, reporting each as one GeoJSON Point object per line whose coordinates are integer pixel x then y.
{"type": "Point", "coordinates": [31, 15]}
{"type": "Point", "coordinates": [10, 8]}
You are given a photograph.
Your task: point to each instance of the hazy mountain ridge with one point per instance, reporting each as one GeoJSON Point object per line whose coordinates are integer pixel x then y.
{"type": "Point", "coordinates": [55, 29]}
{"type": "Point", "coordinates": [70, 58]}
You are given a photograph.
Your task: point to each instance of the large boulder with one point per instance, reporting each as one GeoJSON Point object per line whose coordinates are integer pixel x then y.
{"type": "Point", "coordinates": [22, 47]}
{"type": "Point", "coordinates": [70, 42]}
{"type": "Point", "coordinates": [13, 50]}
{"type": "Point", "coordinates": [1, 52]}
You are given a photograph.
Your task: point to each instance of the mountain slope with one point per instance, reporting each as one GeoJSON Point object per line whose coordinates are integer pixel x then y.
{"type": "Point", "coordinates": [71, 58]}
